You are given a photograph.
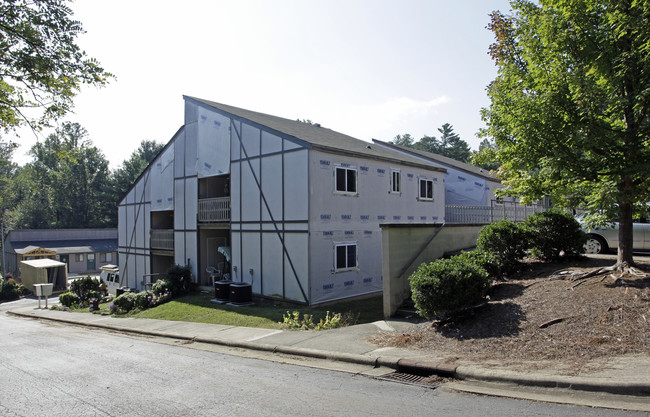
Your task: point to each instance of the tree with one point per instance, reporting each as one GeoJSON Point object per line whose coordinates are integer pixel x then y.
{"type": "Point", "coordinates": [67, 185]}
{"type": "Point", "coordinates": [131, 169]}
{"type": "Point", "coordinates": [403, 140]}
{"type": "Point", "coordinates": [486, 156]}
{"type": "Point", "coordinates": [450, 144]}
{"type": "Point", "coordinates": [570, 107]}
{"type": "Point", "coordinates": [7, 170]}
{"type": "Point", "coordinates": [41, 65]}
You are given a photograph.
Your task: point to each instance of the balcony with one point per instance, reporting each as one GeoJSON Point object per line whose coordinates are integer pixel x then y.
{"type": "Point", "coordinates": [162, 239]}
{"type": "Point", "coordinates": [214, 210]}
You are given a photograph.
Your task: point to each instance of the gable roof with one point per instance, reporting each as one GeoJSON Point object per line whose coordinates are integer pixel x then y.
{"type": "Point", "coordinates": [440, 159]}
{"type": "Point", "coordinates": [317, 137]}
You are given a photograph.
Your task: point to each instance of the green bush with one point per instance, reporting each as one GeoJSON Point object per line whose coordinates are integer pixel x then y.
{"type": "Point", "coordinates": [125, 302]}
{"type": "Point", "coordinates": [448, 286]}
{"type": "Point", "coordinates": [87, 288]}
{"type": "Point", "coordinates": [143, 299]}
{"type": "Point", "coordinates": [485, 260]}
{"type": "Point", "coordinates": [9, 290]}
{"type": "Point", "coordinates": [507, 241]}
{"type": "Point", "coordinates": [160, 287]}
{"type": "Point", "coordinates": [554, 234]}
{"type": "Point", "coordinates": [69, 299]}
{"type": "Point", "coordinates": [180, 279]}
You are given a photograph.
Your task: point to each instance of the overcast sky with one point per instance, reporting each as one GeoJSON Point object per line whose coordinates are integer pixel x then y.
{"type": "Point", "coordinates": [366, 68]}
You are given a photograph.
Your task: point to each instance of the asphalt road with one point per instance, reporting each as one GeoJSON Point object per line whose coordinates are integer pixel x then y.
{"type": "Point", "coordinates": [57, 370]}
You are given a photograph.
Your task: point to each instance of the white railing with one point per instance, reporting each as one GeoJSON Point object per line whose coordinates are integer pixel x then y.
{"type": "Point", "coordinates": [214, 210]}
{"type": "Point", "coordinates": [508, 210]}
{"type": "Point", "coordinates": [162, 239]}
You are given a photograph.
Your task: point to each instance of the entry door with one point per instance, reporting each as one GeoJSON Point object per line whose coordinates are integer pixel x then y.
{"type": "Point", "coordinates": [90, 262]}
{"type": "Point", "coordinates": [65, 259]}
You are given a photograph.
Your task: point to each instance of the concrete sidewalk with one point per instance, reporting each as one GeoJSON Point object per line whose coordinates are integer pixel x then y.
{"type": "Point", "coordinates": [626, 378]}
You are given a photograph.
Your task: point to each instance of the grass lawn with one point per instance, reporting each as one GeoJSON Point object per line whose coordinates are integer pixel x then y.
{"type": "Point", "coordinates": [268, 314]}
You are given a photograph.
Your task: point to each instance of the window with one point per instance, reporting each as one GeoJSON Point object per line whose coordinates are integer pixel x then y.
{"type": "Point", "coordinates": [346, 180]}
{"type": "Point", "coordinates": [345, 256]}
{"type": "Point", "coordinates": [105, 257]}
{"type": "Point", "coordinates": [79, 257]}
{"type": "Point", "coordinates": [426, 189]}
{"type": "Point", "coordinates": [395, 184]}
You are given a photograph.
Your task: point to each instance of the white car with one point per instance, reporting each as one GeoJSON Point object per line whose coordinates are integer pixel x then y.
{"type": "Point", "coordinates": [606, 239]}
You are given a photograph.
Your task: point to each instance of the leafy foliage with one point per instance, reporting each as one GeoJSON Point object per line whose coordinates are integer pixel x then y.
{"type": "Point", "coordinates": [125, 302]}
{"type": "Point", "coordinates": [180, 279]}
{"type": "Point", "coordinates": [67, 184]}
{"type": "Point", "coordinates": [9, 290]}
{"type": "Point", "coordinates": [553, 234]}
{"type": "Point", "coordinates": [450, 144]}
{"type": "Point", "coordinates": [485, 260]}
{"type": "Point", "coordinates": [87, 288]}
{"type": "Point", "coordinates": [570, 109]}
{"type": "Point", "coordinates": [131, 169]}
{"type": "Point", "coordinates": [507, 241]}
{"type": "Point", "coordinates": [69, 299]}
{"type": "Point", "coordinates": [448, 286]}
{"type": "Point", "coordinates": [292, 321]}
{"type": "Point", "coordinates": [41, 65]}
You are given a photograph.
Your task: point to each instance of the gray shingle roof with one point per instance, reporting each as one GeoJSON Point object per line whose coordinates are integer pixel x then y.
{"type": "Point", "coordinates": [318, 137]}
{"type": "Point", "coordinates": [443, 160]}
{"type": "Point", "coordinates": [68, 246]}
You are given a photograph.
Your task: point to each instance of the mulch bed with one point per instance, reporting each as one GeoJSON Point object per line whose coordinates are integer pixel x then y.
{"type": "Point", "coordinates": [541, 314]}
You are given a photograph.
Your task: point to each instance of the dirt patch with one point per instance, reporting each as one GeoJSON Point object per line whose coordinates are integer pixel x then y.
{"type": "Point", "coordinates": [542, 315]}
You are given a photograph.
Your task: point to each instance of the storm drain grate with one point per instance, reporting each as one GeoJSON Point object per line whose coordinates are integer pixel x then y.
{"type": "Point", "coordinates": [412, 379]}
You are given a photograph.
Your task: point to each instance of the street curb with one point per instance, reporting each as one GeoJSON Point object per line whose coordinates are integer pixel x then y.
{"type": "Point", "coordinates": [404, 365]}
{"type": "Point", "coordinates": [466, 372]}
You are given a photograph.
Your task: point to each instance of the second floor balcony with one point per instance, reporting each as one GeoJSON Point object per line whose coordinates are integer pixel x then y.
{"type": "Point", "coordinates": [214, 210]}
{"type": "Point", "coordinates": [162, 239]}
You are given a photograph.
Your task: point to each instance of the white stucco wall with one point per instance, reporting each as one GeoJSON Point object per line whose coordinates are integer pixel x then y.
{"type": "Point", "coordinates": [338, 217]}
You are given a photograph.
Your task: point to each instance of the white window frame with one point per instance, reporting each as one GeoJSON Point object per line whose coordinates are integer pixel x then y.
{"type": "Point", "coordinates": [347, 188]}
{"type": "Point", "coordinates": [79, 257]}
{"type": "Point", "coordinates": [395, 186]}
{"type": "Point", "coordinates": [347, 266]}
{"type": "Point", "coordinates": [427, 181]}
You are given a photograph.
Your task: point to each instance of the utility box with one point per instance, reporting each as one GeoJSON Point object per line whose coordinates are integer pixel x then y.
{"type": "Point", "coordinates": [43, 290]}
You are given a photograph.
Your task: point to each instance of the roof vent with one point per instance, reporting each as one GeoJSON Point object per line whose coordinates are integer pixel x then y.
{"type": "Point", "coordinates": [317, 124]}
{"type": "Point", "coordinates": [368, 146]}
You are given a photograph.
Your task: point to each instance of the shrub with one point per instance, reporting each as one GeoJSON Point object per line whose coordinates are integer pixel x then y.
{"type": "Point", "coordinates": [161, 286]}
{"type": "Point", "coordinates": [485, 260]}
{"type": "Point", "coordinates": [87, 288]}
{"type": "Point", "coordinates": [69, 299]}
{"type": "Point", "coordinates": [125, 302]}
{"type": "Point", "coordinates": [9, 290]}
{"type": "Point", "coordinates": [142, 299]}
{"type": "Point", "coordinates": [448, 286]}
{"type": "Point", "coordinates": [180, 278]}
{"type": "Point", "coordinates": [507, 241]}
{"type": "Point", "coordinates": [553, 234]}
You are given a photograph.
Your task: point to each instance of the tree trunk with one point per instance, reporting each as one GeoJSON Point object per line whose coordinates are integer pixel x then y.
{"type": "Point", "coordinates": [625, 236]}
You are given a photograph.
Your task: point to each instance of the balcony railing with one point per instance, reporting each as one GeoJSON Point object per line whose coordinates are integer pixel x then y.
{"type": "Point", "coordinates": [214, 210]}
{"type": "Point", "coordinates": [162, 239]}
{"type": "Point", "coordinates": [488, 214]}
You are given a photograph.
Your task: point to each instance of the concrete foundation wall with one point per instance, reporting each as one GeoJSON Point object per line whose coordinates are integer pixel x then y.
{"type": "Point", "coordinates": [406, 246]}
